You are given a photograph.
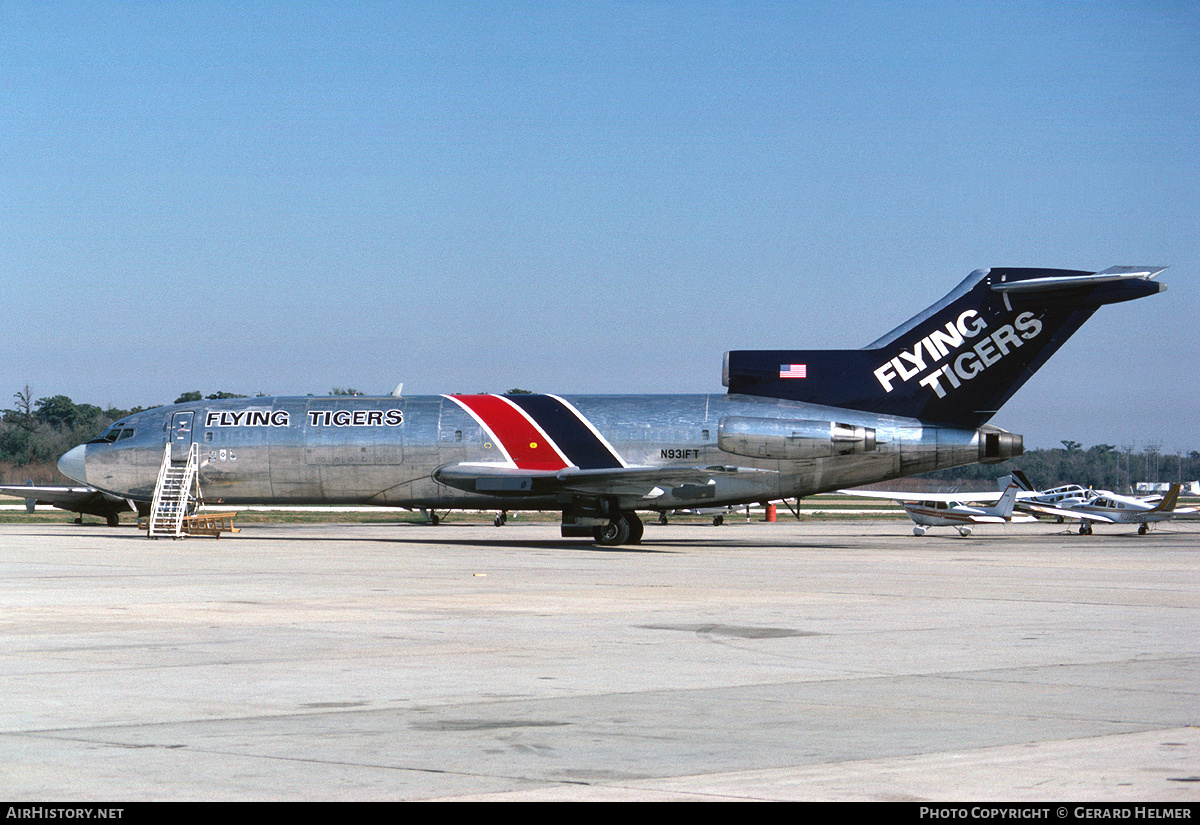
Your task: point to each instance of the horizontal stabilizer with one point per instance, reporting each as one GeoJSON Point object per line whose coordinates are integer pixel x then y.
{"type": "Point", "coordinates": [1115, 274]}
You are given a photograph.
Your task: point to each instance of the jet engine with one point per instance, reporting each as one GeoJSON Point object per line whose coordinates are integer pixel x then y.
{"type": "Point", "coordinates": [996, 445]}
{"type": "Point", "coordinates": [784, 439]}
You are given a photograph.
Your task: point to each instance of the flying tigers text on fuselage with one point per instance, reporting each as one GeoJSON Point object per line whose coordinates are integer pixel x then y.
{"type": "Point", "coordinates": [316, 418]}
{"type": "Point", "coordinates": [924, 358]}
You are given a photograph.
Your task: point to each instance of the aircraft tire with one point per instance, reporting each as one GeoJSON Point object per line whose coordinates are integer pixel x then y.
{"type": "Point", "coordinates": [113, 520]}
{"type": "Point", "coordinates": [615, 533]}
{"type": "Point", "coordinates": [636, 528]}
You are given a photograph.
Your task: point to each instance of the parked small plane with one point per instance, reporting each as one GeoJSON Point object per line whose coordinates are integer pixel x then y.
{"type": "Point", "coordinates": [793, 423]}
{"type": "Point", "coordinates": [1074, 502]}
{"type": "Point", "coordinates": [1051, 502]}
{"type": "Point", "coordinates": [81, 500]}
{"type": "Point", "coordinates": [1110, 508]}
{"type": "Point", "coordinates": [955, 510]}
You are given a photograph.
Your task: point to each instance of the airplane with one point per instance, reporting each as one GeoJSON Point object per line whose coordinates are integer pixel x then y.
{"type": "Point", "coordinates": [80, 500]}
{"type": "Point", "coordinates": [792, 423]}
{"type": "Point", "coordinates": [1053, 501]}
{"type": "Point", "coordinates": [1071, 501]}
{"type": "Point", "coordinates": [1110, 508]}
{"type": "Point", "coordinates": [952, 509]}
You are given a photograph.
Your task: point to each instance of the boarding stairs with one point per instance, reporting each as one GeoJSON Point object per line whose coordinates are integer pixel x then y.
{"type": "Point", "coordinates": [173, 494]}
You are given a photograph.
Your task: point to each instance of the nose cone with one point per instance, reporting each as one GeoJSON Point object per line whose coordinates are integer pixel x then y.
{"type": "Point", "coordinates": [73, 464]}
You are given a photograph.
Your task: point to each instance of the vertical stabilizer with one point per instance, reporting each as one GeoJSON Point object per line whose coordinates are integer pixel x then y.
{"type": "Point", "coordinates": [956, 362]}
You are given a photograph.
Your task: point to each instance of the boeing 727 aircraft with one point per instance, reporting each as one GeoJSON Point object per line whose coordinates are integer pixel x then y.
{"type": "Point", "coordinates": [793, 423]}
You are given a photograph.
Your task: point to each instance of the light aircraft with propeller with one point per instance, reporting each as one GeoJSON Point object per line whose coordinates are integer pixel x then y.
{"type": "Point", "coordinates": [957, 510]}
{"type": "Point", "coordinates": [1072, 502]}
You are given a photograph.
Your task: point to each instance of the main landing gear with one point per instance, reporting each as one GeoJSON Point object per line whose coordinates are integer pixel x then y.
{"type": "Point", "coordinates": [625, 528]}
{"type": "Point", "coordinates": [603, 520]}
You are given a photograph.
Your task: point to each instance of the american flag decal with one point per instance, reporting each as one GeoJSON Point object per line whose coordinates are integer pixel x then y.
{"type": "Point", "coordinates": [793, 371]}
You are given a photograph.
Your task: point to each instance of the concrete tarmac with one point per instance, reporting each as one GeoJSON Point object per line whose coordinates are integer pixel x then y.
{"type": "Point", "coordinates": [830, 660]}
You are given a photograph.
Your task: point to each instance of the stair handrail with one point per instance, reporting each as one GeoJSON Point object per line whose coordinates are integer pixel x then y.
{"type": "Point", "coordinates": [189, 477]}
{"type": "Point", "coordinates": [156, 503]}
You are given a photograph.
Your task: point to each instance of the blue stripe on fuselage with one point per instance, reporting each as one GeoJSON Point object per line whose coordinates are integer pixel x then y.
{"type": "Point", "coordinates": [574, 437]}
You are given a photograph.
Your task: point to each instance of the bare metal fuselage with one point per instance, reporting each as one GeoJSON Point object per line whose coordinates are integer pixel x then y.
{"type": "Point", "coordinates": [387, 451]}
{"type": "Point", "coordinates": [794, 423]}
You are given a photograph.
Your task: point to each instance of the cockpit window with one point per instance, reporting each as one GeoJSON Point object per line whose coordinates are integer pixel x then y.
{"type": "Point", "coordinates": [114, 433]}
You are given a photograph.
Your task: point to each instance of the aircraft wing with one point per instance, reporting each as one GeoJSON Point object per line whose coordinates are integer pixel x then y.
{"type": "Point", "coordinates": [961, 498]}
{"type": "Point", "coordinates": [1092, 517]}
{"type": "Point", "coordinates": [1016, 518]}
{"type": "Point", "coordinates": [76, 499]}
{"type": "Point", "coordinates": [1048, 510]}
{"type": "Point", "coordinates": [981, 519]}
{"type": "Point", "coordinates": [641, 482]}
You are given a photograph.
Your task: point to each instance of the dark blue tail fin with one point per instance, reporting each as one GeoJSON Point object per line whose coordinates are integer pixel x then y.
{"type": "Point", "coordinates": [955, 363]}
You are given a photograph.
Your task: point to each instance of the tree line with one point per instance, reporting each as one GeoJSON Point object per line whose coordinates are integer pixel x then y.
{"type": "Point", "coordinates": [1101, 466]}
{"type": "Point", "coordinates": [36, 431]}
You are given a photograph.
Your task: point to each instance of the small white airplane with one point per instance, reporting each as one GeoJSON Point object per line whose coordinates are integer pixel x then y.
{"type": "Point", "coordinates": [1110, 508]}
{"type": "Point", "coordinates": [1050, 502]}
{"type": "Point", "coordinates": [955, 510]}
{"type": "Point", "coordinates": [1089, 506]}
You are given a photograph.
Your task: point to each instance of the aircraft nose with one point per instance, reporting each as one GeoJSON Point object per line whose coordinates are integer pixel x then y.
{"type": "Point", "coordinates": [73, 464]}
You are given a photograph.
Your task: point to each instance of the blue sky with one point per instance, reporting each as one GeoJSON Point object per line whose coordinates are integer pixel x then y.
{"type": "Point", "coordinates": [286, 197]}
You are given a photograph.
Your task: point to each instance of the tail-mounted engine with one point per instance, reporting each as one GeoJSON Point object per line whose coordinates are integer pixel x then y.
{"type": "Point", "coordinates": [784, 439]}
{"type": "Point", "coordinates": [996, 445]}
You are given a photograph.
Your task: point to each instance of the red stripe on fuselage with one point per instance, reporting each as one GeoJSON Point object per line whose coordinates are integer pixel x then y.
{"type": "Point", "coordinates": [525, 444]}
